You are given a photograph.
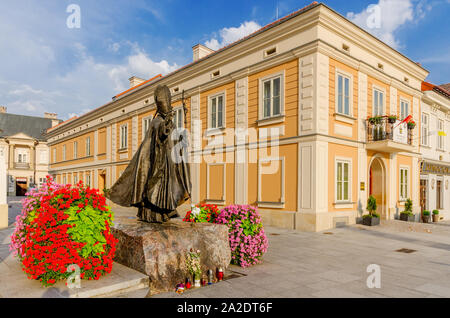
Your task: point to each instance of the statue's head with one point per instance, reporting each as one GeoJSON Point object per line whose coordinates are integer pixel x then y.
{"type": "Point", "coordinates": [163, 99]}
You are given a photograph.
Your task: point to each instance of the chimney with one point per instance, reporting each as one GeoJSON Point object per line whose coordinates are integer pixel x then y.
{"type": "Point", "coordinates": [3, 109]}
{"type": "Point", "coordinates": [200, 51]}
{"type": "Point", "coordinates": [134, 80]}
{"type": "Point", "coordinates": [53, 117]}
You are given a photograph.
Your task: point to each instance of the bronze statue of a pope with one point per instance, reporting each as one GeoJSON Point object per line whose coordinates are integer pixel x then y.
{"type": "Point", "coordinates": [157, 180]}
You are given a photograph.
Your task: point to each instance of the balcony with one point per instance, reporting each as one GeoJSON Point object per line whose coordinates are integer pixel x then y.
{"type": "Point", "coordinates": [388, 135]}
{"type": "Point", "coordinates": [21, 165]}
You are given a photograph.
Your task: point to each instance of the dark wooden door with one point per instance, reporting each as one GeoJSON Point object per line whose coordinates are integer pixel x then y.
{"type": "Point", "coordinates": [21, 188]}
{"type": "Point", "coordinates": [423, 194]}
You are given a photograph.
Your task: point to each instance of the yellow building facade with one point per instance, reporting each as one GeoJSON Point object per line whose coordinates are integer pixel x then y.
{"type": "Point", "coordinates": [278, 120]}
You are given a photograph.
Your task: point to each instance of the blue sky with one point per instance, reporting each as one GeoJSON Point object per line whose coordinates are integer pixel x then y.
{"type": "Point", "coordinates": [45, 66]}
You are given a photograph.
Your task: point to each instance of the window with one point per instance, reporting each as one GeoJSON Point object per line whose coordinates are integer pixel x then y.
{"type": "Point", "coordinates": [343, 94]}
{"type": "Point", "coordinates": [75, 178]}
{"type": "Point", "coordinates": [88, 179]}
{"type": "Point", "coordinates": [440, 135]}
{"type": "Point", "coordinates": [75, 149]}
{"type": "Point", "coordinates": [178, 118]}
{"type": "Point", "coordinates": [404, 183]}
{"type": "Point", "coordinates": [270, 52]}
{"type": "Point", "coordinates": [439, 195]}
{"type": "Point", "coordinates": [21, 155]}
{"type": "Point", "coordinates": [124, 137]}
{"type": "Point", "coordinates": [64, 154]}
{"type": "Point", "coordinates": [88, 146]}
{"type": "Point", "coordinates": [378, 102]}
{"type": "Point", "coordinates": [271, 97]}
{"type": "Point", "coordinates": [54, 155]}
{"type": "Point", "coordinates": [145, 125]}
{"type": "Point", "coordinates": [216, 111]}
{"type": "Point", "coordinates": [425, 130]}
{"type": "Point", "coordinates": [64, 179]}
{"type": "Point", "coordinates": [215, 74]}
{"type": "Point", "coordinates": [342, 181]}
{"type": "Point", "coordinates": [43, 157]}
{"type": "Point", "coordinates": [404, 109]}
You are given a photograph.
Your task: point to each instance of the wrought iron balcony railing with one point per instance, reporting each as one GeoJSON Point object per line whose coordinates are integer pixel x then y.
{"type": "Point", "coordinates": [386, 128]}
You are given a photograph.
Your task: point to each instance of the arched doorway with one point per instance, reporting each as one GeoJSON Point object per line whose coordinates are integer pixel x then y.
{"type": "Point", "coordinates": [377, 185]}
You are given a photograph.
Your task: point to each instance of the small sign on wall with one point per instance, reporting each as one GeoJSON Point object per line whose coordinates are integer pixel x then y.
{"type": "Point", "coordinates": [362, 186]}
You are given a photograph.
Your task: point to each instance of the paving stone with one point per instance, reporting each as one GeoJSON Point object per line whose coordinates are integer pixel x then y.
{"type": "Point", "coordinates": [339, 277]}
{"type": "Point", "coordinates": [337, 293]}
{"type": "Point", "coordinates": [434, 289]}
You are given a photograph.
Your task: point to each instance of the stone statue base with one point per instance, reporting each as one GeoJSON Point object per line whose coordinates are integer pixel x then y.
{"type": "Point", "coordinates": [159, 250]}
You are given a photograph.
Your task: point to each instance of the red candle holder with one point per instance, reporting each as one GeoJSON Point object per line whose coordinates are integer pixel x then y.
{"type": "Point", "coordinates": [220, 274]}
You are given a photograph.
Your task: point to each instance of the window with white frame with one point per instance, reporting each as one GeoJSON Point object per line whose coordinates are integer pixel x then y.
{"type": "Point", "coordinates": [43, 157]}
{"type": "Point", "coordinates": [343, 94]}
{"type": "Point", "coordinates": [64, 153]}
{"type": "Point", "coordinates": [178, 117]}
{"type": "Point", "coordinates": [271, 97]}
{"type": "Point", "coordinates": [145, 125]}
{"type": "Point", "coordinates": [403, 183]}
{"type": "Point", "coordinates": [88, 146]}
{"type": "Point", "coordinates": [425, 129]}
{"type": "Point", "coordinates": [440, 134]}
{"type": "Point", "coordinates": [75, 178]}
{"type": "Point", "coordinates": [54, 155]}
{"type": "Point", "coordinates": [75, 149]}
{"type": "Point", "coordinates": [404, 109]}
{"type": "Point", "coordinates": [21, 155]}
{"type": "Point", "coordinates": [64, 179]}
{"type": "Point", "coordinates": [378, 102]}
{"type": "Point", "coordinates": [124, 136]}
{"type": "Point", "coordinates": [342, 181]}
{"type": "Point", "coordinates": [88, 179]}
{"type": "Point", "coordinates": [216, 111]}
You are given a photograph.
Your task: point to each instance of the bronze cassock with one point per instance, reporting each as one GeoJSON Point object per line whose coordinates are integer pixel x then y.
{"type": "Point", "coordinates": [157, 180]}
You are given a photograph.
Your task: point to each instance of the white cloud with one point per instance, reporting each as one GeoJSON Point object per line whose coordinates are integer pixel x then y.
{"type": "Point", "coordinates": [84, 111]}
{"type": "Point", "coordinates": [47, 67]}
{"type": "Point", "coordinates": [232, 34]}
{"type": "Point", "coordinates": [387, 16]}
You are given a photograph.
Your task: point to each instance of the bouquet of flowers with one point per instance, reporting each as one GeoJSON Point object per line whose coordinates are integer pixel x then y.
{"type": "Point", "coordinates": [202, 213]}
{"type": "Point", "coordinates": [193, 263]}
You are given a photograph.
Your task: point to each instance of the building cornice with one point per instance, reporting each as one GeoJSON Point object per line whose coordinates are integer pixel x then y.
{"type": "Point", "coordinates": [434, 98]}
{"type": "Point", "coordinates": [336, 23]}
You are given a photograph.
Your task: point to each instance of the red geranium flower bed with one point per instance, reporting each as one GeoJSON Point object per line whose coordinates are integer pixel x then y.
{"type": "Point", "coordinates": [61, 225]}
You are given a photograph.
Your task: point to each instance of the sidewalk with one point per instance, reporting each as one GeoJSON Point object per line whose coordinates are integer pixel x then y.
{"type": "Point", "coordinates": [334, 264]}
{"type": "Point", "coordinates": [298, 264]}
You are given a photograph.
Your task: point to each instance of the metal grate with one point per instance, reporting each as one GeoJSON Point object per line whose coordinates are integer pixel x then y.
{"type": "Point", "coordinates": [328, 233]}
{"type": "Point", "coordinates": [406, 250]}
{"type": "Point", "coordinates": [232, 274]}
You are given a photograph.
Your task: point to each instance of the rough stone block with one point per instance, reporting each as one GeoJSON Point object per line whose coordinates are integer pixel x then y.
{"type": "Point", "coordinates": [159, 250]}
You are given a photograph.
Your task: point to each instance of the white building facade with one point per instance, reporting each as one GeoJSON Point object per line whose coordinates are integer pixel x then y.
{"type": "Point", "coordinates": [435, 150]}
